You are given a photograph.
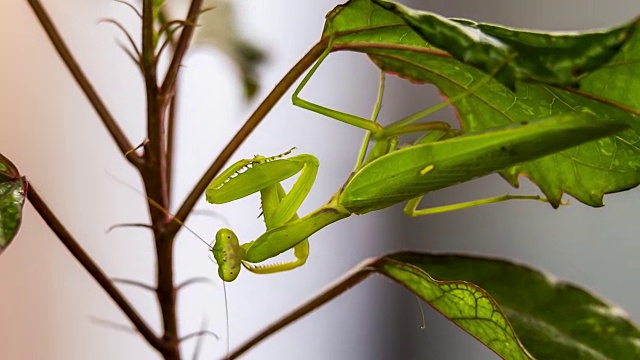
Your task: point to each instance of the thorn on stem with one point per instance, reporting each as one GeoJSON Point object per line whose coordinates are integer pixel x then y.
{"type": "Point", "coordinates": [192, 281]}
{"type": "Point", "coordinates": [130, 7]}
{"type": "Point", "coordinates": [198, 334]}
{"type": "Point", "coordinates": [114, 325]}
{"type": "Point", "coordinates": [142, 144]}
{"type": "Point", "coordinates": [134, 283]}
{"type": "Point", "coordinates": [198, 347]}
{"type": "Point", "coordinates": [117, 226]}
{"type": "Point", "coordinates": [128, 36]}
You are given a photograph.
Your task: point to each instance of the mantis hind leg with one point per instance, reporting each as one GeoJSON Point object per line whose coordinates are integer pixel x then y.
{"type": "Point", "coordinates": [411, 209]}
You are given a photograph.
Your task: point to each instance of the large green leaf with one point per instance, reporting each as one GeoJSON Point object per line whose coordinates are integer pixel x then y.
{"type": "Point", "coordinates": [515, 54]}
{"type": "Point", "coordinates": [499, 302]}
{"type": "Point", "coordinates": [586, 172]}
{"type": "Point", "coordinates": [8, 171]}
{"type": "Point", "coordinates": [12, 193]}
{"type": "Point", "coordinates": [613, 166]}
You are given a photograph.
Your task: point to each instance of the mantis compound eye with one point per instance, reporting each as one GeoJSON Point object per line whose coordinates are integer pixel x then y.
{"type": "Point", "coordinates": [228, 254]}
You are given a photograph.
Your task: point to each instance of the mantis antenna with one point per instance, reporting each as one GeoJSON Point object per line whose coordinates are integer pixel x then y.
{"type": "Point", "coordinates": [159, 207]}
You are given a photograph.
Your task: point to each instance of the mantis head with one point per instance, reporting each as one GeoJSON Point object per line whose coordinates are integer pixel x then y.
{"type": "Point", "coordinates": [228, 254]}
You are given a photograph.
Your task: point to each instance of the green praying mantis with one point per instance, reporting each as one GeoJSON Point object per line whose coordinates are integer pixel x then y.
{"type": "Point", "coordinates": [384, 176]}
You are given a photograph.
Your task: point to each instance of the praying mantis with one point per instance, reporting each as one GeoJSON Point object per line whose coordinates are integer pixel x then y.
{"type": "Point", "coordinates": [387, 175]}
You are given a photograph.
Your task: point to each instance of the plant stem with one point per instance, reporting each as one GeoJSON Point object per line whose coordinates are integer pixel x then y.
{"type": "Point", "coordinates": [171, 134]}
{"type": "Point", "coordinates": [107, 119]}
{"type": "Point", "coordinates": [167, 294]}
{"type": "Point", "coordinates": [153, 174]}
{"type": "Point", "coordinates": [343, 284]}
{"type": "Point", "coordinates": [153, 170]}
{"type": "Point", "coordinates": [168, 86]}
{"type": "Point", "coordinates": [85, 260]}
{"type": "Point", "coordinates": [171, 119]}
{"type": "Point", "coordinates": [254, 120]}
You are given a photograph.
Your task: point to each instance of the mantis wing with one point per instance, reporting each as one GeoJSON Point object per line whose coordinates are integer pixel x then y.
{"type": "Point", "coordinates": [245, 178]}
{"type": "Point", "coordinates": [417, 170]}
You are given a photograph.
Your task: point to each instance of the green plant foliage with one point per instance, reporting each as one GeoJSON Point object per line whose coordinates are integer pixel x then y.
{"type": "Point", "coordinates": [552, 319]}
{"type": "Point", "coordinates": [586, 172]}
{"type": "Point", "coordinates": [515, 54]}
{"type": "Point", "coordinates": [613, 163]}
{"type": "Point", "coordinates": [12, 193]}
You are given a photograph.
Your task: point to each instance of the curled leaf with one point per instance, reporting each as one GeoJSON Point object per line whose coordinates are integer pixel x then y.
{"type": "Point", "coordinates": [504, 305]}
{"type": "Point", "coordinates": [602, 64]}
{"type": "Point", "coordinates": [13, 189]}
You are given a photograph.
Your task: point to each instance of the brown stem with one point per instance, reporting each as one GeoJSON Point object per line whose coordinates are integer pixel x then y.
{"type": "Point", "coordinates": [171, 133]}
{"type": "Point", "coordinates": [254, 120]}
{"type": "Point", "coordinates": [107, 119]}
{"type": "Point", "coordinates": [171, 120]}
{"type": "Point", "coordinates": [167, 294]}
{"type": "Point", "coordinates": [168, 89]}
{"type": "Point", "coordinates": [153, 171]}
{"type": "Point", "coordinates": [154, 178]}
{"type": "Point", "coordinates": [85, 260]}
{"type": "Point", "coordinates": [343, 284]}
{"type": "Point", "coordinates": [168, 86]}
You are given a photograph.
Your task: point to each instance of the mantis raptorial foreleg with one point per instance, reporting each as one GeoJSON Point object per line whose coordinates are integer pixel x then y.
{"type": "Point", "coordinates": [262, 174]}
{"type": "Point", "coordinates": [271, 204]}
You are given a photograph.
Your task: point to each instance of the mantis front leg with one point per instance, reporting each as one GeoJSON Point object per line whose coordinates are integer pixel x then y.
{"type": "Point", "coordinates": [262, 174]}
{"type": "Point", "coordinates": [230, 255]}
{"type": "Point", "coordinates": [274, 209]}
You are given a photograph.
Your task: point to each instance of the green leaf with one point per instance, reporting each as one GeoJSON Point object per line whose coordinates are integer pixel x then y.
{"type": "Point", "coordinates": [12, 193]}
{"type": "Point", "coordinates": [515, 54]}
{"type": "Point", "coordinates": [609, 165]}
{"type": "Point", "coordinates": [586, 172]}
{"type": "Point", "coordinates": [499, 302]}
{"type": "Point", "coordinates": [8, 171]}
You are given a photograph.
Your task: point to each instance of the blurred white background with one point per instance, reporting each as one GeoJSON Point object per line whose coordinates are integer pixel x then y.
{"type": "Point", "coordinates": [49, 130]}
